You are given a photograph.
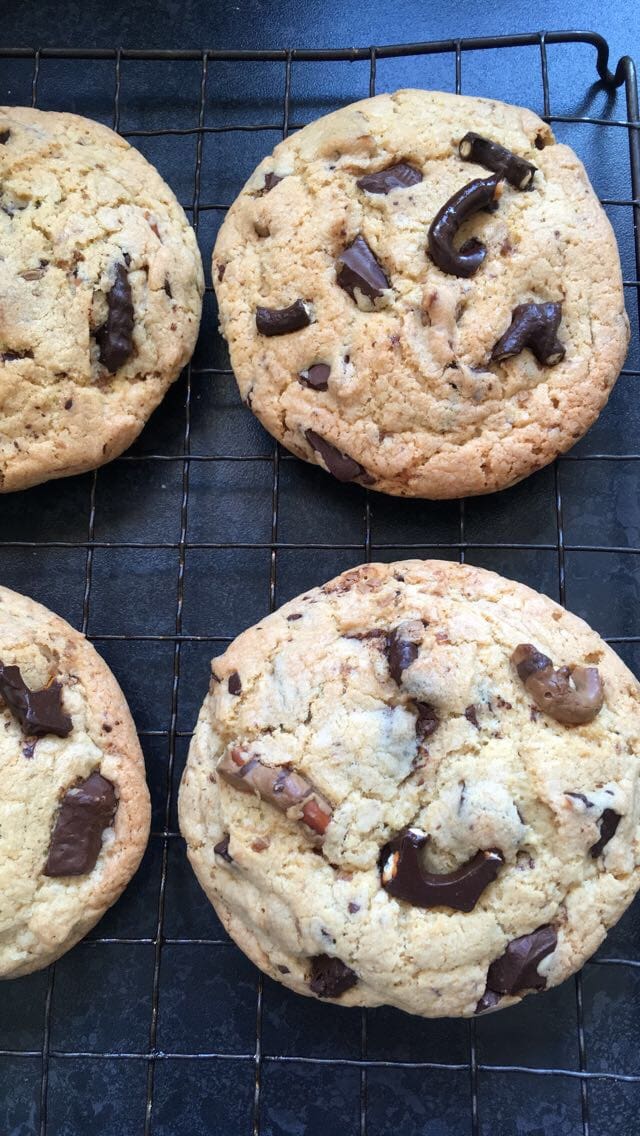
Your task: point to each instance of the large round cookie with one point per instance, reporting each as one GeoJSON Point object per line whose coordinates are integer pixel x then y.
{"type": "Point", "coordinates": [392, 796]}
{"type": "Point", "coordinates": [100, 294]}
{"type": "Point", "coordinates": [395, 386]}
{"type": "Point", "coordinates": [74, 807]}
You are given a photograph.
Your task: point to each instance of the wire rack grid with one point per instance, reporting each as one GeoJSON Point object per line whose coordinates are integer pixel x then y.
{"type": "Point", "coordinates": [156, 1024]}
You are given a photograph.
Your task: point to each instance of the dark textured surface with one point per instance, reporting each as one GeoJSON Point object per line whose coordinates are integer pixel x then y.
{"type": "Point", "coordinates": [158, 986]}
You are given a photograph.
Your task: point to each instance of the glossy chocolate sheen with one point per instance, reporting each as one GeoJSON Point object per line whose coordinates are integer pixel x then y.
{"type": "Point", "coordinates": [316, 377]}
{"type": "Point", "coordinates": [282, 321]}
{"type": "Point", "coordinates": [465, 261]}
{"type": "Point", "coordinates": [517, 171]}
{"type": "Point", "coordinates": [330, 977]}
{"type": "Point", "coordinates": [357, 267]}
{"type": "Point", "coordinates": [340, 465]}
{"type": "Point", "coordinates": [517, 968]}
{"type": "Point", "coordinates": [87, 809]}
{"type": "Point", "coordinates": [400, 176]}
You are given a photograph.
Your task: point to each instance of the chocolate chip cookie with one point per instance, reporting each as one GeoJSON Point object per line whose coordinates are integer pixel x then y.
{"type": "Point", "coordinates": [421, 293]}
{"type": "Point", "coordinates": [417, 785]}
{"type": "Point", "coordinates": [100, 294]}
{"type": "Point", "coordinates": [74, 808]}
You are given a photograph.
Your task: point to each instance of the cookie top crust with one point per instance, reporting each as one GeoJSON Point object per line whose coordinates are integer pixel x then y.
{"type": "Point", "coordinates": [74, 809]}
{"type": "Point", "coordinates": [385, 799]}
{"type": "Point", "coordinates": [101, 294]}
{"type": "Point", "coordinates": [360, 235]}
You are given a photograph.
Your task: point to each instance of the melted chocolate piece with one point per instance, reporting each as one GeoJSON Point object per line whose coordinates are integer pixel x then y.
{"type": "Point", "coordinates": [465, 261]}
{"type": "Point", "coordinates": [39, 712]}
{"type": "Point", "coordinates": [316, 377]}
{"type": "Point", "coordinates": [222, 849]}
{"type": "Point", "coordinates": [234, 684]}
{"type": "Point", "coordinates": [572, 695]}
{"type": "Point", "coordinates": [401, 652]}
{"type": "Point", "coordinates": [357, 267]}
{"type": "Point", "coordinates": [115, 337]}
{"type": "Point", "coordinates": [518, 172]}
{"type": "Point", "coordinates": [517, 968]}
{"type": "Point", "coordinates": [488, 1001]}
{"type": "Point", "coordinates": [427, 721]}
{"type": "Point", "coordinates": [404, 877]}
{"type": "Point", "coordinates": [86, 811]}
{"type": "Point", "coordinates": [340, 465]}
{"type": "Point", "coordinates": [533, 326]}
{"type": "Point", "coordinates": [330, 977]}
{"type": "Point", "coordinates": [609, 822]}
{"type": "Point", "coordinates": [282, 321]}
{"type": "Point", "coordinates": [399, 176]}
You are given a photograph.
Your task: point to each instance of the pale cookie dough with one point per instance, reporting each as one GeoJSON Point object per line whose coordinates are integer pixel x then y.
{"type": "Point", "coordinates": [80, 211]}
{"type": "Point", "coordinates": [387, 700]}
{"type": "Point", "coordinates": [74, 807]}
{"type": "Point", "coordinates": [409, 400]}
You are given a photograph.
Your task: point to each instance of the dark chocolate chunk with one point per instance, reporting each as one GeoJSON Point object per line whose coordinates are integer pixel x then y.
{"type": "Point", "coordinates": [115, 337]}
{"type": "Point", "coordinates": [478, 194]}
{"type": "Point", "coordinates": [404, 876]}
{"type": "Point", "coordinates": [401, 650]}
{"type": "Point", "coordinates": [517, 968]}
{"type": "Point", "coordinates": [316, 377]}
{"type": "Point", "coordinates": [472, 716]}
{"type": "Point", "coordinates": [221, 271]}
{"type": "Point", "coordinates": [283, 969]}
{"type": "Point", "coordinates": [533, 326]}
{"type": "Point", "coordinates": [330, 977]}
{"type": "Point", "coordinates": [39, 712]}
{"type": "Point", "coordinates": [281, 321]}
{"type": "Point", "coordinates": [427, 721]}
{"type": "Point", "coordinates": [29, 748]}
{"type": "Point", "coordinates": [609, 822]}
{"type": "Point", "coordinates": [293, 616]}
{"type": "Point", "coordinates": [493, 156]}
{"type": "Point", "coordinates": [4, 136]}
{"type": "Point", "coordinates": [11, 356]}
{"type": "Point", "coordinates": [340, 465]}
{"type": "Point", "coordinates": [126, 256]}
{"type": "Point", "coordinates": [488, 1001]}
{"type": "Point", "coordinates": [86, 811]}
{"type": "Point", "coordinates": [167, 288]}
{"type": "Point", "coordinates": [353, 907]}
{"type": "Point", "coordinates": [399, 176]}
{"type": "Point", "coordinates": [234, 684]}
{"type": "Point", "coordinates": [222, 849]}
{"type": "Point", "coordinates": [357, 267]}
{"type": "Point", "coordinates": [271, 180]}
{"type": "Point", "coordinates": [68, 404]}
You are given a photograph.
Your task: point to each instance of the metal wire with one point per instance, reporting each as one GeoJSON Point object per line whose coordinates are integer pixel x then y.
{"type": "Point", "coordinates": [363, 546]}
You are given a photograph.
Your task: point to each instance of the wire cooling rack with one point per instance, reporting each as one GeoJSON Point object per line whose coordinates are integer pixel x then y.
{"type": "Point", "coordinates": [156, 1024]}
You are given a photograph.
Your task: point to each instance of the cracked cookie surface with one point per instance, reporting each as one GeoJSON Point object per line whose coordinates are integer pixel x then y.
{"type": "Point", "coordinates": [74, 808]}
{"type": "Point", "coordinates": [385, 708]}
{"type": "Point", "coordinates": [83, 216]}
{"type": "Point", "coordinates": [413, 397]}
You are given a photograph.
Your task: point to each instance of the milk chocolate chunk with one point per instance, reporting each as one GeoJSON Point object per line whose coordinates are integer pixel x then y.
{"type": "Point", "coordinates": [402, 647]}
{"type": "Point", "coordinates": [517, 968]}
{"type": "Point", "coordinates": [330, 977]}
{"type": "Point", "coordinates": [282, 321]}
{"type": "Point", "coordinates": [340, 465]}
{"type": "Point", "coordinates": [316, 376]}
{"type": "Point", "coordinates": [534, 326]}
{"type": "Point", "coordinates": [358, 269]}
{"type": "Point", "coordinates": [234, 683]}
{"type": "Point", "coordinates": [404, 876]}
{"type": "Point", "coordinates": [39, 712]}
{"type": "Point", "coordinates": [87, 809]}
{"type": "Point", "coordinates": [399, 176]}
{"type": "Point", "coordinates": [222, 849]}
{"type": "Point", "coordinates": [517, 171]}
{"type": "Point", "coordinates": [479, 194]}
{"type": "Point", "coordinates": [281, 786]}
{"type": "Point", "coordinates": [572, 694]}
{"type": "Point", "coordinates": [115, 337]}
{"type": "Point", "coordinates": [427, 721]}
{"type": "Point", "coordinates": [609, 822]}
